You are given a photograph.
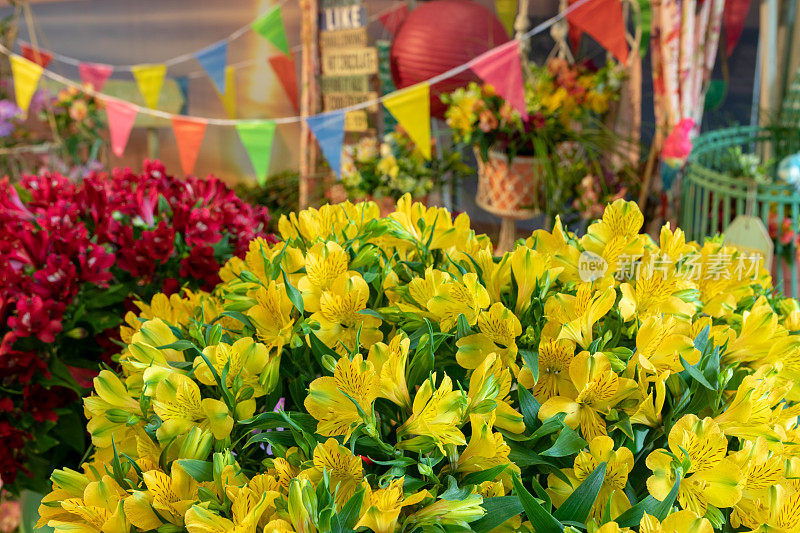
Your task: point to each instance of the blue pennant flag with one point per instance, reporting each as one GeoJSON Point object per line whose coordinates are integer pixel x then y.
{"type": "Point", "coordinates": [214, 59]}
{"type": "Point", "coordinates": [328, 128]}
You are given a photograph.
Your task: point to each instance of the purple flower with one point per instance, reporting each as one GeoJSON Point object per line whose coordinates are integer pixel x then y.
{"type": "Point", "coordinates": [41, 100]}
{"type": "Point", "coordinates": [9, 110]}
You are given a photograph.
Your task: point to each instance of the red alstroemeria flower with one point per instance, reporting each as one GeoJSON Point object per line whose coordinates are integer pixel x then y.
{"type": "Point", "coordinates": [38, 317]}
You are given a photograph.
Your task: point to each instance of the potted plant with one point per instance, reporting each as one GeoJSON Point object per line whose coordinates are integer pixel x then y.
{"type": "Point", "coordinates": [522, 163]}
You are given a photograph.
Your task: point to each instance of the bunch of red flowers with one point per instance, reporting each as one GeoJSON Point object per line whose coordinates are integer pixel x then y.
{"type": "Point", "coordinates": [73, 256]}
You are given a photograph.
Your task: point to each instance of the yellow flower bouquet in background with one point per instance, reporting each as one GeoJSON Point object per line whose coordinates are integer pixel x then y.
{"type": "Point", "coordinates": [392, 375]}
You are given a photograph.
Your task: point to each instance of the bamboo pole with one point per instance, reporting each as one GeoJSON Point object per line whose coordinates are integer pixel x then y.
{"type": "Point", "coordinates": [308, 98]}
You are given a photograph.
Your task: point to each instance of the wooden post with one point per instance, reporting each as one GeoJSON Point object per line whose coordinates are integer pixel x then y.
{"type": "Point", "coordinates": [308, 98]}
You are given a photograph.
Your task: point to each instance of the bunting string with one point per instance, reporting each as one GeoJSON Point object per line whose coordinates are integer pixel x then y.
{"type": "Point", "coordinates": [539, 28]}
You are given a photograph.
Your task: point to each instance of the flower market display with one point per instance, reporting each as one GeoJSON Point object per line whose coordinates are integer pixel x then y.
{"type": "Point", "coordinates": [74, 258]}
{"type": "Point", "coordinates": [392, 375]}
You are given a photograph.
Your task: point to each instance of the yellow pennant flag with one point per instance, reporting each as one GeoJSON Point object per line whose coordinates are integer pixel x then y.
{"type": "Point", "coordinates": [26, 78]}
{"type": "Point", "coordinates": [507, 13]}
{"type": "Point", "coordinates": [412, 109]}
{"type": "Point", "coordinates": [150, 79]}
{"type": "Point", "coordinates": [229, 98]}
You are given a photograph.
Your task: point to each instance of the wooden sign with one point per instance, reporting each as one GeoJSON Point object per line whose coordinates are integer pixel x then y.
{"type": "Point", "coordinates": [340, 100]}
{"type": "Point", "coordinates": [354, 61]}
{"type": "Point", "coordinates": [356, 38]}
{"type": "Point", "coordinates": [356, 121]}
{"type": "Point", "coordinates": [344, 84]}
{"type": "Point", "coordinates": [343, 18]}
{"type": "Point", "coordinates": [327, 4]}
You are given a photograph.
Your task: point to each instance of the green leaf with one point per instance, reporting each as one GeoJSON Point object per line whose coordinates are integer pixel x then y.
{"type": "Point", "coordinates": [541, 520]}
{"type": "Point", "coordinates": [476, 478]}
{"type": "Point", "coordinates": [462, 327]}
{"type": "Point", "coordinates": [179, 345]}
{"type": "Point", "coordinates": [200, 470]}
{"type": "Point", "coordinates": [241, 317]}
{"type": "Point", "coordinates": [292, 293]}
{"type": "Point", "coordinates": [346, 519]}
{"type": "Point", "coordinates": [551, 425]}
{"type": "Point", "coordinates": [696, 374]}
{"type": "Point", "coordinates": [29, 509]}
{"type": "Point", "coordinates": [567, 443]}
{"type": "Point", "coordinates": [528, 405]}
{"type": "Point", "coordinates": [498, 510]}
{"type": "Point", "coordinates": [579, 504]}
{"type": "Point", "coordinates": [531, 359]}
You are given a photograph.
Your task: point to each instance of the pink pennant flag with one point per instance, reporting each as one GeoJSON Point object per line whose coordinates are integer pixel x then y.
{"type": "Point", "coordinates": [392, 19]}
{"type": "Point", "coordinates": [501, 68]}
{"type": "Point", "coordinates": [121, 116]}
{"type": "Point", "coordinates": [95, 74]}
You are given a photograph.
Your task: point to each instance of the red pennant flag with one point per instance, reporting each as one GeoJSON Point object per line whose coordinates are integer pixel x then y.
{"type": "Point", "coordinates": [38, 56]}
{"type": "Point", "coordinates": [602, 20]}
{"type": "Point", "coordinates": [283, 66]}
{"type": "Point", "coordinates": [501, 68]}
{"type": "Point", "coordinates": [121, 116]}
{"type": "Point", "coordinates": [734, 17]}
{"type": "Point", "coordinates": [95, 74]}
{"type": "Point", "coordinates": [189, 135]}
{"type": "Point", "coordinates": [392, 19]}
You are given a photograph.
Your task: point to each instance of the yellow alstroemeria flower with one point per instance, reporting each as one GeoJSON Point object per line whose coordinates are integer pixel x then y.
{"type": "Point", "coordinates": [383, 506]}
{"type": "Point", "coordinates": [144, 352]}
{"type": "Point", "coordinates": [656, 290]}
{"type": "Point", "coordinates": [467, 297]}
{"type": "Point", "coordinates": [612, 492]}
{"type": "Point", "coordinates": [649, 402]}
{"type": "Point", "coordinates": [171, 495]}
{"type": "Point", "coordinates": [555, 357]}
{"type": "Point", "coordinates": [325, 262]}
{"type": "Point", "coordinates": [673, 243]}
{"type": "Point", "coordinates": [777, 512]}
{"type": "Point", "coordinates": [485, 450]}
{"type": "Point", "coordinates": [711, 477]}
{"type": "Point", "coordinates": [578, 314]}
{"type": "Point", "coordinates": [390, 362]}
{"type": "Point", "coordinates": [99, 510]}
{"type": "Point", "coordinates": [599, 389]}
{"type": "Point", "coordinates": [528, 267]}
{"type": "Point", "coordinates": [489, 388]}
{"type": "Point", "coordinates": [499, 329]}
{"type": "Point", "coordinates": [272, 315]}
{"type": "Point", "coordinates": [556, 244]}
{"type": "Point", "coordinates": [340, 316]}
{"type": "Point", "coordinates": [751, 413]}
{"type": "Point", "coordinates": [435, 419]}
{"type": "Point", "coordinates": [246, 360]}
{"type": "Point", "coordinates": [761, 469]}
{"type": "Point", "coordinates": [344, 468]}
{"type": "Point", "coordinates": [660, 344]}
{"type": "Point", "coordinates": [422, 290]}
{"type": "Point", "coordinates": [714, 271]}
{"type": "Point", "coordinates": [759, 333]}
{"type": "Point", "coordinates": [176, 309]}
{"type": "Point", "coordinates": [179, 405]}
{"type": "Point", "coordinates": [680, 522]}
{"type": "Point", "coordinates": [328, 401]}
{"type": "Point", "coordinates": [616, 235]}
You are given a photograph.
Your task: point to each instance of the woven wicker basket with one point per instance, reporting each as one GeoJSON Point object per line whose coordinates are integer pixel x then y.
{"type": "Point", "coordinates": [510, 190]}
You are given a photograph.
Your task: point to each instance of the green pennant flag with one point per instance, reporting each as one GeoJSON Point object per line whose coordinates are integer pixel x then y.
{"type": "Point", "coordinates": [257, 140]}
{"type": "Point", "coordinates": [270, 26]}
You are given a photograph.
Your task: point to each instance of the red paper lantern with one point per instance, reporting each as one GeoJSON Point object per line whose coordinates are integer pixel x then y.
{"type": "Point", "coordinates": [438, 36]}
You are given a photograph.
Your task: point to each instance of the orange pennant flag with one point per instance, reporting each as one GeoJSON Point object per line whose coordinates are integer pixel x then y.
{"type": "Point", "coordinates": [189, 134]}
{"type": "Point", "coordinates": [284, 68]}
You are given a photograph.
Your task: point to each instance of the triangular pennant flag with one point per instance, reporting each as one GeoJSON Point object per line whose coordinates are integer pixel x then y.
{"type": "Point", "coordinates": [602, 20]}
{"type": "Point", "coordinates": [150, 79]}
{"type": "Point", "coordinates": [285, 70]}
{"type": "Point", "coordinates": [257, 140]}
{"type": "Point", "coordinates": [502, 69]}
{"type": "Point", "coordinates": [38, 56]}
{"type": "Point", "coordinates": [121, 116]}
{"type": "Point", "coordinates": [229, 97]}
{"type": "Point", "coordinates": [270, 26]}
{"type": "Point", "coordinates": [412, 109]}
{"type": "Point", "coordinates": [183, 86]}
{"type": "Point", "coordinates": [328, 128]}
{"type": "Point", "coordinates": [189, 135]}
{"type": "Point", "coordinates": [214, 59]}
{"type": "Point", "coordinates": [507, 13]}
{"type": "Point", "coordinates": [95, 74]}
{"type": "Point", "coordinates": [26, 75]}
{"type": "Point", "coordinates": [734, 17]}
{"type": "Point", "coordinates": [392, 19]}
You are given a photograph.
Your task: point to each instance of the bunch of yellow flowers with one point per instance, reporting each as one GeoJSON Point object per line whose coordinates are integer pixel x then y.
{"type": "Point", "coordinates": [393, 375]}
